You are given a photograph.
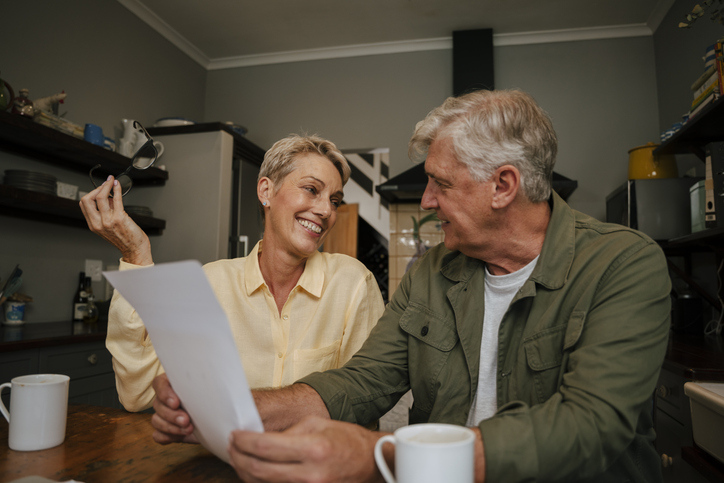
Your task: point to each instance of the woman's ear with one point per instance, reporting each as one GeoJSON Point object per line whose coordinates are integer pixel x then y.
{"type": "Point", "coordinates": [507, 183]}
{"type": "Point", "coordinates": [264, 190]}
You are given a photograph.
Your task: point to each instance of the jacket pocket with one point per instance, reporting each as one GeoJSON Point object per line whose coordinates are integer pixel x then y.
{"type": "Point", "coordinates": [544, 354]}
{"type": "Point", "coordinates": [307, 361]}
{"type": "Point", "coordinates": [429, 328]}
{"type": "Point", "coordinates": [431, 339]}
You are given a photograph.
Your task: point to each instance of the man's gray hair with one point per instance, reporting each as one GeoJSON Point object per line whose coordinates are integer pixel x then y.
{"type": "Point", "coordinates": [490, 129]}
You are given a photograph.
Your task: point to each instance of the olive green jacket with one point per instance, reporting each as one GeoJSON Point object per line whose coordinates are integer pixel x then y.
{"type": "Point", "coordinates": [579, 353]}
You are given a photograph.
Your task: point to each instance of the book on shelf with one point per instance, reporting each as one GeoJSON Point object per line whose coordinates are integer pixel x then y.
{"type": "Point", "coordinates": [712, 97]}
{"type": "Point", "coordinates": [720, 64]}
{"type": "Point", "coordinates": [714, 77]}
{"type": "Point", "coordinates": [713, 88]}
{"type": "Point", "coordinates": [710, 56]}
{"type": "Point", "coordinates": [707, 73]}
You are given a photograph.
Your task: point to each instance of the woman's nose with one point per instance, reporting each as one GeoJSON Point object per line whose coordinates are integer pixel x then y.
{"type": "Point", "coordinates": [323, 209]}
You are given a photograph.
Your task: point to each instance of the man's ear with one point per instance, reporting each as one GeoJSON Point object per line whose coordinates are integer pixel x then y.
{"type": "Point", "coordinates": [264, 190]}
{"type": "Point", "coordinates": [507, 183]}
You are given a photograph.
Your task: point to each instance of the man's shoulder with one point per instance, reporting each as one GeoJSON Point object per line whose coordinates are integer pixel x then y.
{"type": "Point", "coordinates": [594, 234]}
{"type": "Point", "coordinates": [587, 222]}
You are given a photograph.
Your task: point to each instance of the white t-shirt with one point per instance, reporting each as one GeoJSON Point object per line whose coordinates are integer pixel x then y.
{"type": "Point", "coordinates": [499, 291]}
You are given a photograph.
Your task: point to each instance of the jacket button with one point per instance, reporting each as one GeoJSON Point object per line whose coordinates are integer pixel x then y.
{"type": "Point", "coordinates": [424, 331]}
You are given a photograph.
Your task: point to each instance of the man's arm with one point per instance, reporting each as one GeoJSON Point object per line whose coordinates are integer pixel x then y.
{"type": "Point", "coordinates": [279, 409]}
{"type": "Point", "coordinates": [282, 408]}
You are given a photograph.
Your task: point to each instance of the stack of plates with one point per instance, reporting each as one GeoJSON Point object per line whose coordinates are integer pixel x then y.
{"type": "Point", "coordinates": [138, 210]}
{"type": "Point", "coordinates": [31, 181]}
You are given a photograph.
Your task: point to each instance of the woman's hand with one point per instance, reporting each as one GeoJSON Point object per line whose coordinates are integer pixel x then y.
{"type": "Point", "coordinates": [106, 218]}
{"type": "Point", "coordinates": [171, 423]}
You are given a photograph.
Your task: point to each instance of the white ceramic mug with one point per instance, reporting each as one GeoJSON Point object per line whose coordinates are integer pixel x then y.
{"type": "Point", "coordinates": [38, 411]}
{"type": "Point", "coordinates": [141, 139]}
{"type": "Point", "coordinates": [430, 453]}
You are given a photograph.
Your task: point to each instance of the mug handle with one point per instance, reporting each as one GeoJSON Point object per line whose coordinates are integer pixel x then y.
{"type": "Point", "coordinates": [380, 459]}
{"type": "Point", "coordinates": [159, 148]}
{"type": "Point", "coordinates": [3, 409]}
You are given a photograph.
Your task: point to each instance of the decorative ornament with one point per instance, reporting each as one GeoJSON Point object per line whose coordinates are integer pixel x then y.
{"type": "Point", "coordinates": [717, 15]}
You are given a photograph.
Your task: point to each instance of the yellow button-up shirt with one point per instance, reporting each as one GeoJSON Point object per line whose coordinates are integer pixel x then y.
{"type": "Point", "coordinates": [326, 318]}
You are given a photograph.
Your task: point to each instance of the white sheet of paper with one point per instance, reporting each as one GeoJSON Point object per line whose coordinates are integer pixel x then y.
{"type": "Point", "coordinates": [192, 338]}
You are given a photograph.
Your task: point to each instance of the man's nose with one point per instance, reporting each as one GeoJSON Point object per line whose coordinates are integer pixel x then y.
{"type": "Point", "coordinates": [429, 202]}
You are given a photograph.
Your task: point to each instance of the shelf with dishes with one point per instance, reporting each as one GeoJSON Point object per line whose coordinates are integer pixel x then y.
{"type": "Point", "coordinates": [23, 136]}
{"type": "Point", "coordinates": [44, 207]}
{"type": "Point", "coordinates": [29, 195]}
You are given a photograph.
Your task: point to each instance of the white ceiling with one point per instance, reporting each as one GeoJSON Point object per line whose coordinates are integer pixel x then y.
{"type": "Point", "coordinates": [231, 33]}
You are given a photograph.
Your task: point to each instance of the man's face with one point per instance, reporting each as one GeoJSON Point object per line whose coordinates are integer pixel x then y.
{"type": "Point", "coordinates": [461, 203]}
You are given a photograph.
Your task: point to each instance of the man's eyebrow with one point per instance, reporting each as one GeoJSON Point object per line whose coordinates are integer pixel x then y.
{"type": "Point", "coordinates": [436, 178]}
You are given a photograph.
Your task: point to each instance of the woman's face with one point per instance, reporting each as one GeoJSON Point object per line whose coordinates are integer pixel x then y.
{"type": "Point", "coordinates": [304, 208]}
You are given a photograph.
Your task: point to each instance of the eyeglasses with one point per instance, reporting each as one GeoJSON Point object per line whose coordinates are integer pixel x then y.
{"type": "Point", "coordinates": [142, 159]}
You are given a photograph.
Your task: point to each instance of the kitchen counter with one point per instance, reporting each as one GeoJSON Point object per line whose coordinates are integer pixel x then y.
{"type": "Point", "coordinates": [47, 334]}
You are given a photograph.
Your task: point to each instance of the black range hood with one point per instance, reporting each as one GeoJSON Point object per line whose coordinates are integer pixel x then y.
{"type": "Point", "coordinates": [407, 187]}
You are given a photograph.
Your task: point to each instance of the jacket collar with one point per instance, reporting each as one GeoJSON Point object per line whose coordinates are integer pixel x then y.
{"type": "Point", "coordinates": [311, 281]}
{"type": "Point", "coordinates": [556, 256]}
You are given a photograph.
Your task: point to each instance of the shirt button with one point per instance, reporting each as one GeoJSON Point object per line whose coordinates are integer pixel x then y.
{"type": "Point", "coordinates": [424, 331]}
{"type": "Point", "coordinates": [285, 317]}
{"type": "Point", "coordinates": [280, 355]}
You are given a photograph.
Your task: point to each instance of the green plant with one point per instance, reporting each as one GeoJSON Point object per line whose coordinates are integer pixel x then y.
{"type": "Point", "coordinates": [418, 224]}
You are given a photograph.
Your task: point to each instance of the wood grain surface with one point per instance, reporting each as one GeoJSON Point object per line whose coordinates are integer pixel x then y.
{"type": "Point", "coordinates": [111, 445]}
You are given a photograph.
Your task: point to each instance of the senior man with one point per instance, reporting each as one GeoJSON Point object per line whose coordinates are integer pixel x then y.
{"type": "Point", "coordinates": [539, 326]}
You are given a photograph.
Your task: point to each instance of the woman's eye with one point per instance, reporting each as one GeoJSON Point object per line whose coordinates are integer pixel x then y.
{"type": "Point", "coordinates": [311, 189]}
{"type": "Point", "coordinates": [336, 203]}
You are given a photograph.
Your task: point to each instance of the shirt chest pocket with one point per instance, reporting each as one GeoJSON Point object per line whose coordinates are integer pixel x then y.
{"type": "Point", "coordinates": [432, 338]}
{"type": "Point", "coordinates": [307, 361]}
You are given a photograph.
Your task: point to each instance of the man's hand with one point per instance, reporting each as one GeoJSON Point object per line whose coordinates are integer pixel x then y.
{"type": "Point", "coordinates": [315, 449]}
{"type": "Point", "coordinates": [171, 423]}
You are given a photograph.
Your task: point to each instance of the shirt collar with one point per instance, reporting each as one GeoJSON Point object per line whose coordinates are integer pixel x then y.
{"type": "Point", "coordinates": [556, 256]}
{"type": "Point", "coordinates": [311, 281]}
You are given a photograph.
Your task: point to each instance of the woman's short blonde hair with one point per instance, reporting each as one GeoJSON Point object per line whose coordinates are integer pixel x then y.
{"type": "Point", "coordinates": [281, 158]}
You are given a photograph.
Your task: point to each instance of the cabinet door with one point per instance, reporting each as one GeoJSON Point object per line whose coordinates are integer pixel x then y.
{"type": "Point", "coordinates": [97, 390]}
{"type": "Point", "coordinates": [90, 368]}
{"type": "Point", "coordinates": [77, 360]}
{"type": "Point", "coordinates": [669, 435]}
{"type": "Point", "coordinates": [14, 364]}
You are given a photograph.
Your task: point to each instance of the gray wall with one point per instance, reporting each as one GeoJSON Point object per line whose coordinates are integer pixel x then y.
{"type": "Point", "coordinates": [111, 65]}
{"type": "Point", "coordinates": [601, 95]}
{"type": "Point", "coordinates": [604, 97]}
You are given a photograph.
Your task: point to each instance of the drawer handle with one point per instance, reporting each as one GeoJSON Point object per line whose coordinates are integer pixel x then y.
{"type": "Point", "coordinates": [93, 359]}
{"type": "Point", "coordinates": [667, 461]}
{"type": "Point", "coordinates": [664, 391]}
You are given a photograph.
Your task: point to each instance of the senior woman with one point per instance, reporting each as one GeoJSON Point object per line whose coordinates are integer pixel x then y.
{"type": "Point", "coordinates": [292, 309]}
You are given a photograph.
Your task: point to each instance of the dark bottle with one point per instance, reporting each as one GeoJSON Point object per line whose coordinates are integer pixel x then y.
{"type": "Point", "coordinates": [91, 312]}
{"type": "Point", "coordinates": [80, 300]}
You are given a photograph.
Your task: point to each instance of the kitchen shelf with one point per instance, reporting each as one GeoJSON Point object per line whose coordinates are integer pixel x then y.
{"type": "Point", "coordinates": [704, 128]}
{"type": "Point", "coordinates": [53, 209]}
{"type": "Point", "coordinates": [23, 136]}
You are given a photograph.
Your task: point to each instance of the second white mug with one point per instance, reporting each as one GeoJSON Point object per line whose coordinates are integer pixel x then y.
{"type": "Point", "coordinates": [38, 411]}
{"type": "Point", "coordinates": [430, 453]}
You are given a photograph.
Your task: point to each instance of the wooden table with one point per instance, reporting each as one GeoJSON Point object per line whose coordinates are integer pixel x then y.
{"type": "Point", "coordinates": [110, 445]}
